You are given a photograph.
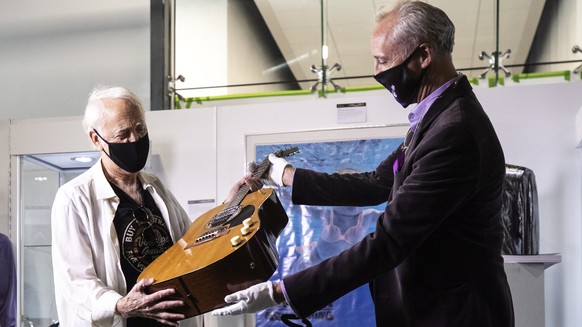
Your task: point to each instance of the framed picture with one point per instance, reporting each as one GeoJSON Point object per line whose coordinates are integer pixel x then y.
{"type": "Point", "coordinates": [315, 233]}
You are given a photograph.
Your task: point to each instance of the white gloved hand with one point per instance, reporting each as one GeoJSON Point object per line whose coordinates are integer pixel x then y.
{"type": "Point", "coordinates": [277, 169]}
{"type": "Point", "coordinates": [253, 299]}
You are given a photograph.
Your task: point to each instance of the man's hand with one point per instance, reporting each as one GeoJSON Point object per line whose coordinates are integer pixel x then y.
{"type": "Point", "coordinates": [250, 300]}
{"type": "Point", "coordinates": [273, 177]}
{"type": "Point", "coordinates": [276, 174]}
{"type": "Point", "coordinates": [249, 180]}
{"type": "Point", "coordinates": [155, 306]}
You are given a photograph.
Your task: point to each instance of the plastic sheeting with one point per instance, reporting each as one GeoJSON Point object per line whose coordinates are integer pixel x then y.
{"type": "Point", "coordinates": [520, 213]}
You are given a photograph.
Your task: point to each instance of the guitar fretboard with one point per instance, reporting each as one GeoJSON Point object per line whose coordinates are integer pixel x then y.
{"type": "Point", "coordinates": [244, 190]}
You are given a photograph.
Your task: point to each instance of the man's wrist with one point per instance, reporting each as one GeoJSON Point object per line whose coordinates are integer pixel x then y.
{"type": "Point", "coordinates": [288, 173]}
{"type": "Point", "coordinates": [119, 308]}
{"type": "Point", "coordinates": [117, 312]}
{"type": "Point", "coordinates": [278, 295]}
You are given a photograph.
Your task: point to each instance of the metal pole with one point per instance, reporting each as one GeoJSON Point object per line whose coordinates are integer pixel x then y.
{"type": "Point", "coordinates": [497, 45]}
{"type": "Point", "coordinates": [323, 61]}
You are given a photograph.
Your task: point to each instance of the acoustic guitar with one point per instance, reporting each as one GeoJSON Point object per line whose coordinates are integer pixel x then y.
{"type": "Point", "coordinates": [229, 248]}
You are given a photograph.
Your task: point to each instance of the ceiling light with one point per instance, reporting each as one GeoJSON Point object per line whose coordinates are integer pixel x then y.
{"type": "Point", "coordinates": [82, 159]}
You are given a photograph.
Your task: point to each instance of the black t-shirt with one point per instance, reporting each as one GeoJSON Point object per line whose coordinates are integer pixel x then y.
{"type": "Point", "coordinates": [143, 236]}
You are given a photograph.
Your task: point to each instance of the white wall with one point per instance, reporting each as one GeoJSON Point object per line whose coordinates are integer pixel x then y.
{"type": "Point", "coordinates": [4, 177]}
{"type": "Point", "coordinates": [184, 152]}
{"type": "Point", "coordinates": [54, 53]}
{"type": "Point", "coordinates": [201, 22]}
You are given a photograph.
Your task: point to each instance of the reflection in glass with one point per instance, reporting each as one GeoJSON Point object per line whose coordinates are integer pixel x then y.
{"type": "Point", "coordinates": [38, 184]}
{"type": "Point", "coordinates": [235, 47]}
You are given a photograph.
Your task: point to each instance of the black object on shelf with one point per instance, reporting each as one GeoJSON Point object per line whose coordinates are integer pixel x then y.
{"type": "Point", "coordinates": [520, 214]}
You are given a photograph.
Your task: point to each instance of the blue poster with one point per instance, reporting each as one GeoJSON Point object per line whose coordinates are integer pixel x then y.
{"type": "Point", "coordinates": [315, 233]}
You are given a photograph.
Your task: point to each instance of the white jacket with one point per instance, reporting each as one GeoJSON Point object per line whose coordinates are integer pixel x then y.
{"type": "Point", "coordinates": [85, 249]}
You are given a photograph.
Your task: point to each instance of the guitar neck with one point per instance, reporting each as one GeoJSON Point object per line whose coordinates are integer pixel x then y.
{"type": "Point", "coordinates": [244, 190]}
{"type": "Point", "coordinates": [258, 172]}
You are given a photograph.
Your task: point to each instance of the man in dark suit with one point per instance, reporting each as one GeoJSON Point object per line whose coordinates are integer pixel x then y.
{"type": "Point", "coordinates": [435, 256]}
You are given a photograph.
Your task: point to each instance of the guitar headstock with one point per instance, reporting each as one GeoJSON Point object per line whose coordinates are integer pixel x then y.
{"type": "Point", "coordinates": [286, 152]}
{"type": "Point", "coordinates": [264, 165]}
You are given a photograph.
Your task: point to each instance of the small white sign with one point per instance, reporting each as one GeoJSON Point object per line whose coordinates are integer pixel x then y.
{"type": "Point", "coordinates": [348, 113]}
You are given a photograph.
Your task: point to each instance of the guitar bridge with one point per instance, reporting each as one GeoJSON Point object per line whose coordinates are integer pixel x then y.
{"type": "Point", "coordinates": [209, 236]}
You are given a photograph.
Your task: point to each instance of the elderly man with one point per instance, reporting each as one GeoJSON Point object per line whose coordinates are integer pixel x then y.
{"type": "Point", "coordinates": [111, 222]}
{"type": "Point", "coordinates": [434, 258]}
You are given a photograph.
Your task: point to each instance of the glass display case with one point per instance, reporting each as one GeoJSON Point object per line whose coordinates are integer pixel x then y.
{"type": "Point", "coordinates": [37, 184]}
{"type": "Point", "coordinates": [39, 178]}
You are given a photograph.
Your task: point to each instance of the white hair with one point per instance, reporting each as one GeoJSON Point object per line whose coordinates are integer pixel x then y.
{"type": "Point", "coordinates": [96, 106]}
{"type": "Point", "coordinates": [417, 22]}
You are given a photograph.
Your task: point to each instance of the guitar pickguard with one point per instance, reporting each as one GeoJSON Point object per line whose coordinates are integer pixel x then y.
{"type": "Point", "coordinates": [214, 231]}
{"type": "Point", "coordinates": [246, 212]}
{"type": "Point", "coordinates": [224, 216]}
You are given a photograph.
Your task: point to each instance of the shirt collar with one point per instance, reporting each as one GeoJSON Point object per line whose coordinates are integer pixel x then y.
{"type": "Point", "coordinates": [418, 112]}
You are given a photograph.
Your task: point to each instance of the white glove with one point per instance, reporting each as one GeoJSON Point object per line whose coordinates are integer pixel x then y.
{"type": "Point", "coordinates": [276, 169]}
{"type": "Point", "coordinates": [253, 299]}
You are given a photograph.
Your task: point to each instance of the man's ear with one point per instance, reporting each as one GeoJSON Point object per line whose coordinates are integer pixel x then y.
{"type": "Point", "coordinates": [426, 55]}
{"type": "Point", "coordinates": [95, 140]}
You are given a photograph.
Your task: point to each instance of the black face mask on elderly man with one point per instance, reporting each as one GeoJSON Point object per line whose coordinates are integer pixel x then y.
{"type": "Point", "coordinates": [129, 156]}
{"type": "Point", "coordinates": [397, 80]}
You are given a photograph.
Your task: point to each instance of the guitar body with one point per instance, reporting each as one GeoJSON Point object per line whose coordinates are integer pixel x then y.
{"type": "Point", "coordinates": [204, 266]}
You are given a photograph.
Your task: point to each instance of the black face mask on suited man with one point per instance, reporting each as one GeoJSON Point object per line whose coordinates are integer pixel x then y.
{"type": "Point", "coordinates": [397, 80]}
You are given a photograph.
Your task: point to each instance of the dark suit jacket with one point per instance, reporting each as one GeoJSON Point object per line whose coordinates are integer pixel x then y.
{"type": "Point", "coordinates": [435, 256]}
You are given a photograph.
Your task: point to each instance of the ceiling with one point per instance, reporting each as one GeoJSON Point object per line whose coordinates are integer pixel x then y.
{"type": "Point", "coordinates": [296, 26]}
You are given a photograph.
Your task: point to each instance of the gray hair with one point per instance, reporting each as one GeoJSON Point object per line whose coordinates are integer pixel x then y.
{"type": "Point", "coordinates": [96, 107]}
{"type": "Point", "coordinates": [419, 22]}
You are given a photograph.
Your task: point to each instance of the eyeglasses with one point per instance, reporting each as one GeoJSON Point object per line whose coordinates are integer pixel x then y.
{"type": "Point", "coordinates": [143, 215]}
